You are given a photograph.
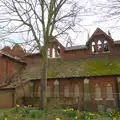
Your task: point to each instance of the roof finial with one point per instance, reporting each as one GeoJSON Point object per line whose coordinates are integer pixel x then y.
{"type": "Point", "coordinates": [109, 34]}
{"type": "Point", "coordinates": [88, 36]}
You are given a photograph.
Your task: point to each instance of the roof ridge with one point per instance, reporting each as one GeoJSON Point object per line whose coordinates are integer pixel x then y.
{"type": "Point", "coordinates": [13, 57]}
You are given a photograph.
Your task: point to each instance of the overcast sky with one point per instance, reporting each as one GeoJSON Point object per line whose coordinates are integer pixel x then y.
{"type": "Point", "coordinates": [90, 23]}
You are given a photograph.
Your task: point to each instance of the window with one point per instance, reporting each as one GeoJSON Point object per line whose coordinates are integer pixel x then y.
{"type": "Point", "coordinates": [99, 45]}
{"type": "Point", "coordinates": [53, 52]}
{"type": "Point", "coordinates": [97, 92]}
{"type": "Point", "coordinates": [39, 91]}
{"type": "Point", "coordinates": [76, 91]}
{"type": "Point", "coordinates": [105, 46]}
{"type": "Point", "coordinates": [109, 91]}
{"type": "Point", "coordinates": [58, 51]}
{"type": "Point", "coordinates": [56, 88]}
{"type": "Point", "coordinates": [48, 52]}
{"type": "Point", "coordinates": [93, 47]}
{"type": "Point", "coordinates": [66, 91]}
{"type": "Point", "coordinates": [48, 91]}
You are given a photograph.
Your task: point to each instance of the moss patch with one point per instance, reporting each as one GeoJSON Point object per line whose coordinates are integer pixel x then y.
{"type": "Point", "coordinates": [57, 68]}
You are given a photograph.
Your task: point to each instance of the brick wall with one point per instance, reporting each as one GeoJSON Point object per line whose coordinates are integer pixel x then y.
{"type": "Point", "coordinates": [8, 68]}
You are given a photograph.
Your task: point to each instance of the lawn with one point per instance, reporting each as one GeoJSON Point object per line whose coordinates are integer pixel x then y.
{"type": "Point", "coordinates": [30, 113]}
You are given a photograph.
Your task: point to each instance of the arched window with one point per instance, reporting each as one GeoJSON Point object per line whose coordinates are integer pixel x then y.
{"type": "Point", "coordinates": [48, 52]}
{"type": "Point", "coordinates": [105, 46]}
{"type": "Point", "coordinates": [56, 88]}
{"type": "Point", "coordinates": [109, 91]}
{"type": "Point", "coordinates": [93, 47]}
{"type": "Point", "coordinates": [76, 91]}
{"type": "Point", "coordinates": [31, 87]}
{"type": "Point", "coordinates": [48, 91]}
{"type": "Point", "coordinates": [58, 51]}
{"type": "Point", "coordinates": [99, 45]}
{"type": "Point", "coordinates": [39, 91]}
{"type": "Point", "coordinates": [98, 92]}
{"type": "Point", "coordinates": [66, 91]}
{"type": "Point", "coordinates": [53, 52]}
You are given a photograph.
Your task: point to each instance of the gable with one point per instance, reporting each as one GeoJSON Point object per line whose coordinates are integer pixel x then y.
{"type": "Point", "coordinates": [99, 33]}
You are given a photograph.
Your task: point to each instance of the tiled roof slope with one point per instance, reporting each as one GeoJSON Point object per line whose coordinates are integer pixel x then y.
{"type": "Point", "coordinates": [117, 42]}
{"type": "Point", "coordinates": [75, 47]}
{"type": "Point", "coordinates": [12, 57]}
{"type": "Point", "coordinates": [58, 68]}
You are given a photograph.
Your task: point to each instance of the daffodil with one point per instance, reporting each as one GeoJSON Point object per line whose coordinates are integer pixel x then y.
{"type": "Point", "coordinates": [76, 117]}
{"type": "Point", "coordinates": [57, 118]}
{"type": "Point", "coordinates": [114, 118]}
{"type": "Point", "coordinates": [17, 105]}
{"type": "Point", "coordinates": [5, 119]}
{"type": "Point", "coordinates": [25, 106]}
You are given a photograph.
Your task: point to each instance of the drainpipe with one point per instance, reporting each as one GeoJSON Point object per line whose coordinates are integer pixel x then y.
{"type": "Point", "coordinates": [117, 87]}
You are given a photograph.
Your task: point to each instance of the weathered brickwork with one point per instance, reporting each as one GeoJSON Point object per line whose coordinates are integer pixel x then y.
{"type": "Point", "coordinates": [98, 45]}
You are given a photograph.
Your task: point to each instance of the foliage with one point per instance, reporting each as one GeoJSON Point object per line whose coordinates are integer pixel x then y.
{"type": "Point", "coordinates": [30, 113]}
{"type": "Point", "coordinates": [15, 109]}
{"type": "Point", "coordinates": [70, 112]}
{"type": "Point", "coordinates": [35, 113]}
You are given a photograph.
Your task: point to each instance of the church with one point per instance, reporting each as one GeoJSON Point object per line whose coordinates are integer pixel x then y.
{"type": "Point", "coordinates": [84, 75]}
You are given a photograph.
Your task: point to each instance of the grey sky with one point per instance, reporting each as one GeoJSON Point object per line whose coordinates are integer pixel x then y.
{"type": "Point", "coordinates": [89, 24]}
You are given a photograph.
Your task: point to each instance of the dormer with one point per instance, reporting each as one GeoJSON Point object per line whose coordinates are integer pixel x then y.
{"type": "Point", "coordinates": [100, 42]}
{"type": "Point", "coordinates": [55, 49]}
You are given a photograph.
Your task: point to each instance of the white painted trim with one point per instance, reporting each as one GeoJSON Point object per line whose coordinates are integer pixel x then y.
{"type": "Point", "coordinates": [98, 99]}
{"type": "Point", "coordinates": [110, 99]}
{"type": "Point", "coordinates": [118, 78]}
{"type": "Point", "coordinates": [86, 81]}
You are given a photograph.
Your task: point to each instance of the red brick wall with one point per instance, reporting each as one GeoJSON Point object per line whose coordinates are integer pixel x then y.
{"type": "Point", "coordinates": [71, 82]}
{"type": "Point", "coordinates": [32, 59]}
{"type": "Point", "coordinates": [15, 51]}
{"type": "Point", "coordinates": [116, 49]}
{"type": "Point", "coordinates": [84, 53]}
{"type": "Point", "coordinates": [8, 67]}
{"type": "Point", "coordinates": [102, 81]}
{"type": "Point", "coordinates": [76, 54]}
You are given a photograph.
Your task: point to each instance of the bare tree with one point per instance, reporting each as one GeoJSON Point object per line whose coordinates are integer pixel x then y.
{"type": "Point", "coordinates": [107, 11]}
{"type": "Point", "coordinates": [39, 21]}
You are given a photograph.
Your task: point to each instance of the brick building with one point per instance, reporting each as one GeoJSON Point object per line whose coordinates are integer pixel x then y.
{"type": "Point", "coordinates": [81, 75]}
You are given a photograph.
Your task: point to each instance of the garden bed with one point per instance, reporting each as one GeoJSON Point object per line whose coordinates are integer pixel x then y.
{"type": "Point", "coordinates": [31, 113]}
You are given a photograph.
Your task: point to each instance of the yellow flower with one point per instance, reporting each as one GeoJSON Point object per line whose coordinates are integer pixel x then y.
{"type": "Point", "coordinates": [76, 117]}
{"type": "Point", "coordinates": [25, 106]}
{"type": "Point", "coordinates": [64, 110]}
{"type": "Point", "coordinates": [5, 119]}
{"type": "Point", "coordinates": [29, 105]}
{"type": "Point", "coordinates": [114, 118]}
{"type": "Point", "coordinates": [17, 105]}
{"type": "Point", "coordinates": [57, 118]}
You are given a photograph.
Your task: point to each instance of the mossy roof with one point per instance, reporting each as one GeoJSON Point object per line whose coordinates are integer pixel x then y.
{"type": "Point", "coordinates": [59, 68]}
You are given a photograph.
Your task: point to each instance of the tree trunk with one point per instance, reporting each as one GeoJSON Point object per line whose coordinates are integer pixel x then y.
{"type": "Point", "coordinates": [43, 81]}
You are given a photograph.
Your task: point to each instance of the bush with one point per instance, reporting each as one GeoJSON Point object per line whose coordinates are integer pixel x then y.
{"type": "Point", "coordinates": [15, 109]}
{"type": "Point", "coordinates": [26, 109]}
{"type": "Point", "coordinates": [35, 113]}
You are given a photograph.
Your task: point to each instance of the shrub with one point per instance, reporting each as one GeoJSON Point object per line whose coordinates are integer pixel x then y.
{"type": "Point", "coordinates": [35, 113]}
{"type": "Point", "coordinates": [26, 109]}
{"type": "Point", "coordinates": [15, 109]}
